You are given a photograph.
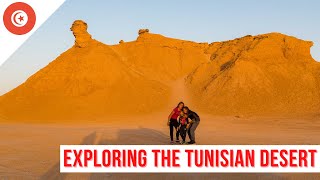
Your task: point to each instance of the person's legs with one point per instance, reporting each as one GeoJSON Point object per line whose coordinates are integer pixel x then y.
{"type": "Point", "coordinates": [188, 130]}
{"type": "Point", "coordinates": [177, 132]}
{"type": "Point", "coordinates": [192, 134]}
{"type": "Point", "coordinates": [183, 133]}
{"type": "Point", "coordinates": [171, 130]}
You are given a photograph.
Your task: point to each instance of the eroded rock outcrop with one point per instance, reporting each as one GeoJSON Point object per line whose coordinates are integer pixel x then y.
{"type": "Point", "coordinates": [142, 31]}
{"type": "Point", "coordinates": [79, 30]}
{"type": "Point", "coordinates": [265, 74]}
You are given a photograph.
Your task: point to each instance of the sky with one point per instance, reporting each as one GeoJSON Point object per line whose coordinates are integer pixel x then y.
{"type": "Point", "coordinates": [202, 21]}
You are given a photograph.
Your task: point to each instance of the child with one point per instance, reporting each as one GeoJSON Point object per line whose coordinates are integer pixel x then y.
{"type": "Point", "coordinates": [183, 122]}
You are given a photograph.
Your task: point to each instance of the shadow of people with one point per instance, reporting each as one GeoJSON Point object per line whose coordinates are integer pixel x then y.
{"type": "Point", "coordinates": [54, 172]}
{"type": "Point", "coordinates": [140, 136]}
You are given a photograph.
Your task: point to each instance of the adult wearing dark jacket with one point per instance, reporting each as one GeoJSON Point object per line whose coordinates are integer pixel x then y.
{"type": "Point", "coordinates": [195, 121]}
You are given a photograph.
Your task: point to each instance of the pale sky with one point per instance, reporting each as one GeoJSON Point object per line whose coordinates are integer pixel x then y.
{"type": "Point", "coordinates": [202, 21]}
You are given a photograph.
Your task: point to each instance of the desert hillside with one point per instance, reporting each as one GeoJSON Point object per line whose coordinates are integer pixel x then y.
{"type": "Point", "coordinates": [271, 73]}
{"type": "Point", "coordinates": [161, 58]}
{"type": "Point", "coordinates": [265, 74]}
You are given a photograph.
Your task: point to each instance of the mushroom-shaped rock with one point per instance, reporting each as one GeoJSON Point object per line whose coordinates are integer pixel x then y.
{"type": "Point", "coordinates": [121, 41]}
{"type": "Point", "coordinates": [79, 30]}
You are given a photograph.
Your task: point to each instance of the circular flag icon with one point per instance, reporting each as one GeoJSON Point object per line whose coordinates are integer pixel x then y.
{"type": "Point", "coordinates": [19, 18]}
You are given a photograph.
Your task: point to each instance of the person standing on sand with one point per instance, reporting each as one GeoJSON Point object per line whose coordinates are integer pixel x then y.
{"type": "Point", "coordinates": [192, 126]}
{"type": "Point", "coordinates": [173, 121]}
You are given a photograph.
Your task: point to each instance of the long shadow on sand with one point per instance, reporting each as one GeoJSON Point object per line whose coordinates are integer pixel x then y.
{"type": "Point", "coordinates": [54, 172]}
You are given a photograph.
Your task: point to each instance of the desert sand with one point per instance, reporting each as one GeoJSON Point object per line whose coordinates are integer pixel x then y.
{"type": "Point", "coordinates": [31, 151]}
{"type": "Point", "coordinates": [261, 89]}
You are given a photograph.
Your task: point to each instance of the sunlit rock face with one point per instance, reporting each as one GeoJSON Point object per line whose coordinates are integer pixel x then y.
{"type": "Point", "coordinates": [79, 30]}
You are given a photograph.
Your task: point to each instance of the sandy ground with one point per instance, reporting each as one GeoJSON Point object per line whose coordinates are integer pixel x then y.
{"type": "Point", "coordinates": [31, 151]}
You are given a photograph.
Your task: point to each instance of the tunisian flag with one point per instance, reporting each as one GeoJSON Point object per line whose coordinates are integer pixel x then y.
{"type": "Point", "coordinates": [20, 19]}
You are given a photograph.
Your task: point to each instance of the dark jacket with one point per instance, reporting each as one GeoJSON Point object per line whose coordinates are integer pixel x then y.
{"type": "Point", "coordinates": [193, 116]}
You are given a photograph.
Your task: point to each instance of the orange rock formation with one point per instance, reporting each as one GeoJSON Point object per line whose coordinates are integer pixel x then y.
{"type": "Point", "coordinates": [264, 74]}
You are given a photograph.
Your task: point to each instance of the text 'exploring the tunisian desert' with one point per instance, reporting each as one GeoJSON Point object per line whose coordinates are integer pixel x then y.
{"type": "Point", "coordinates": [201, 158]}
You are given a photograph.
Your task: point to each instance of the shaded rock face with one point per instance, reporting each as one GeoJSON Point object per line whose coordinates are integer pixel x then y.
{"type": "Point", "coordinates": [270, 74]}
{"type": "Point", "coordinates": [82, 37]}
{"type": "Point", "coordinates": [265, 74]}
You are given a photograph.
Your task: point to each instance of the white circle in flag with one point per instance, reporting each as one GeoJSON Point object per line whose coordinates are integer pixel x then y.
{"type": "Point", "coordinates": [19, 18]}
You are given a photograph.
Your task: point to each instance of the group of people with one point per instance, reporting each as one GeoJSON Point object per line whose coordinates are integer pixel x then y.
{"type": "Point", "coordinates": [184, 121]}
